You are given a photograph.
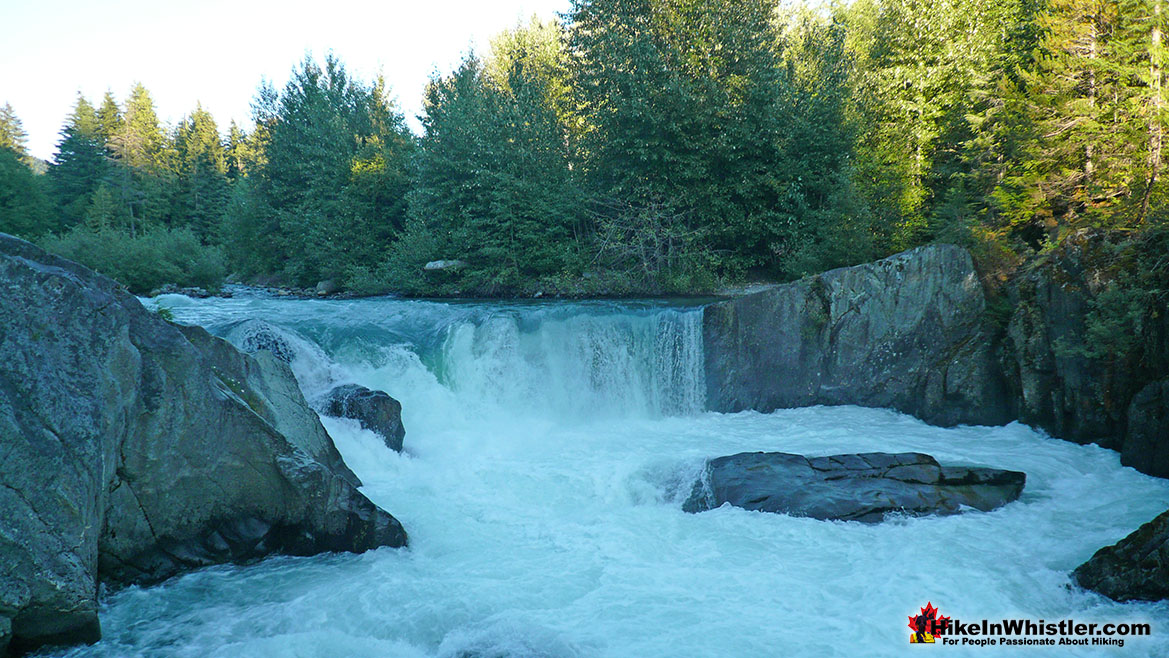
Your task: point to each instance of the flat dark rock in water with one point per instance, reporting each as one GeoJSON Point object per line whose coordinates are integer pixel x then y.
{"type": "Point", "coordinates": [861, 487]}
{"type": "Point", "coordinates": [375, 410]}
{"type": "Point", "coordinates": [1134, 568]}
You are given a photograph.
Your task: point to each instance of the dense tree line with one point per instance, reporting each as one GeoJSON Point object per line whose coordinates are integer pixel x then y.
{"type": "Point", "coordinates": [636, 146]}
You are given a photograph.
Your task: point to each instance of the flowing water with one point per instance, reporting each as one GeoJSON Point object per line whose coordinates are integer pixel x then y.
{"type": "Point", "coordinates": [548, 448]}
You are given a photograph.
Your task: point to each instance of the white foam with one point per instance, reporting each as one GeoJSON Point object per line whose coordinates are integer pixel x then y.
{"type": "Point", "coordinates": [540, 528]}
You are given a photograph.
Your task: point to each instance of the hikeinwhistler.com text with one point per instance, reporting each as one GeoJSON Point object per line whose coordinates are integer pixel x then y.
{"type": "Point", "coordinates": [1027, 632]}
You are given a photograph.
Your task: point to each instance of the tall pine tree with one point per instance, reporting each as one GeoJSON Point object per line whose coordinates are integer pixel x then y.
{"type": "Point", "coordinates": [80, 164]}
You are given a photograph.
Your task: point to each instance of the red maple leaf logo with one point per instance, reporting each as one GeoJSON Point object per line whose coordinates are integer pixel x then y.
{"type": "Point", "coordinates": [921, 623]}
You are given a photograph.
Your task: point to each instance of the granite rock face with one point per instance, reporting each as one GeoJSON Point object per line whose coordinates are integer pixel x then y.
{"type": "Point", "coordinates": [1068, 384]}
{"type": "Point", "coordinates": [908, 332]}
{"type": "Point", "coordinates": [135, 450]}
{"type": "Point", "coordinates": [861, 487]}
{"type": "Point", "coordinates": [1135, 568]}
{"type": "Point", "coordinates": [1146, 442]}
{"type": "Point", "coordinates": [375, 410]}
{"type": "Point", "coordinates": [1058, 387]}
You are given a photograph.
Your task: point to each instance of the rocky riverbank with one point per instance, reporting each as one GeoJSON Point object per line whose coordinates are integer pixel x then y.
{"type": "Point", "coordinates": [914, 332]}
{"type": "Point", "coordinates": [1072, 346]}
{"type": "Point", "coordinates": [136, 450]}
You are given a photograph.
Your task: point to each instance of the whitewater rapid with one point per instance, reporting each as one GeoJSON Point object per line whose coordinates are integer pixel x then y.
{"type": "Point", "coordinates": [547, 449]}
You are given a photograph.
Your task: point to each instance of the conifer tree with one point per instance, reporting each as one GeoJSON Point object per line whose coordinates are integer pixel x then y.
{"type": "Point", "coordinates": [141, 176]}
{"type": "Point", "coordinates": [109, 119]}
{"type": "Point", "coordinates": [239, 153]}
{"type": "Point", "coordinates": [682, 103]}
{"type": "Point", "coordinates": [201, 175]}
{"type": "Point", "coordinates": [80, 164]}
{"type": "Point", "coordinates": [23, 205]}
{"type": "Point", "coordinates": [1096, 117]}
{"type": "Point", "coordinates": [12, 134]}
{"type": "Point", "coordinates": [334, 152]}
{"type": "Point", "coordinates": [495, 186]}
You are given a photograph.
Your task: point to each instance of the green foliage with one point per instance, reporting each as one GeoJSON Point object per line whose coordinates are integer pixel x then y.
{"type": "Point", "coordinates": [494, 185]}
{"type": "Point", "coordinates": [1129, 309]}
{"type": "Point", "coordinates": [80, 164]}
{"type": "Point", "coordinates": [200, 165]}
{"type": "Point", "coordinates": [684, 107]}
{"type": "Point", "coordinates": [24, 207]}
{"type": "Point", "coordinates": [12, 135]}
{"type": "Point", "coordinates": [109, 119]}
{"type": "Point", "coordinates": [649, 146]}
{"type": "Point", "coordinates": [329, 190]}
{"type": "Point", "coordinates": [145, 261]}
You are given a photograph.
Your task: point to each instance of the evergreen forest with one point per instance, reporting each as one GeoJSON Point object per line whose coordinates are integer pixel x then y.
{"type": "Point", "coordinates": [633, 147]}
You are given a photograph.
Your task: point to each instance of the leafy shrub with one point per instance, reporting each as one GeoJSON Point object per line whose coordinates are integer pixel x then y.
{"type": "Point", "coordinates": [144, 262]}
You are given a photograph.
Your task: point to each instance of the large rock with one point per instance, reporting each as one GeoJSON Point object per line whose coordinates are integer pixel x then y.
{"type": "Point", "coordinates": [1135, 568]}
{"type": "Point", "coordinates": [375, 410]}
{"type": "Point", "coordinates": [444, 265]}
{"type": "Point", "coordinates": [1146, 442]}
{"type": "Point", "coordinates": [908, 332]}
{"type": "Point", "coordinates": [252, 336]}
{"type": "Point", "coordinates": [862, 487]}
{"type": "Point", "coordinates": [268, 376]}
{"type": "Point", "coordinates": [1059, 386]}
{"type": "Point", "coordinates": [134, 450]}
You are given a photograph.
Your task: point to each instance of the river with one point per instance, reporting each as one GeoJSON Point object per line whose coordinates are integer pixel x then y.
{"type": "Point", "coordinates": [548, 448]}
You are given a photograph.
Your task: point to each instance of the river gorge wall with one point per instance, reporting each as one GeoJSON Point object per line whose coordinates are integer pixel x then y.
{"type": "Point", "coordinates": [913, 332]}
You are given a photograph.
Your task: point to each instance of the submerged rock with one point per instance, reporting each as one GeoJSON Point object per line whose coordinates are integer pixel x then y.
{"type": "Point", "coordinates": [1135, 568]}
{"type": "Point", "coordinates": [908, 332]}
{"type": "Point", "coordinates": [135, 450]}
{"type": "Point", "coordinates": [251, 336]}
{"type": "Point", "coordinates": [375, 410]}
{"type": "Point", "coordinates": [860, 487]}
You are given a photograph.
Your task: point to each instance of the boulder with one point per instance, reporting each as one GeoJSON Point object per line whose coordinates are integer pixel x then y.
{"type": "Point", "coordinates": [1146, 441]}
{"type": "Point", "coordinates": [375, 410]}
{"type": "Point", "coordinates": [908, 332]}
{"type": "Point", "coordinates": [268, 376]}
{"type": "Point", "coordinates": [861, 487]}
{"type": "Point", "coordinates": [251, 336]}
{"type": "Point", "coordinates": [135, 450]}
{"type": "Point", "coordinates": [327, 287]}
{"type": "Point", "coordinates": [444, 265]}
{"type": "Point", "coordinates": [1135, 568]}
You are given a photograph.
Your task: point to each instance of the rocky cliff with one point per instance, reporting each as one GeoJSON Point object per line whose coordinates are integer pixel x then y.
{"type": "Point", "coordinates": [1080, 350]}
{"type": "Point", "coordinates": [134, 450]}
{"type": "Point", "coordinates": [1087, 349]}
{"type": "Point", "coordinates": [908, 332]}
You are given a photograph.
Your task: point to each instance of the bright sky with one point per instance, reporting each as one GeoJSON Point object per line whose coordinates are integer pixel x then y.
{"type": "Point", "coordinates": [216, 51]}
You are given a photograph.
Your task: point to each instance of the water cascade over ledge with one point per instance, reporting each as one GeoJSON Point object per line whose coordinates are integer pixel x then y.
{"type": "Point", "coordinates": [548, 450]}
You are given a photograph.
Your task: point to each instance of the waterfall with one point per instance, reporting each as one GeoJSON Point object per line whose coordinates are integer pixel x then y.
{"type": "Point", "coordinates": [618, 364]}
{"type": "Point", "coordinates": [595, 360]}
{"type": "Point", "coordinates": [549, 448]}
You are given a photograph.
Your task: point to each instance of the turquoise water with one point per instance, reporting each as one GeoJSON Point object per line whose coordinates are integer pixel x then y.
{"type": "Point", "coordinates": [547, 449]}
